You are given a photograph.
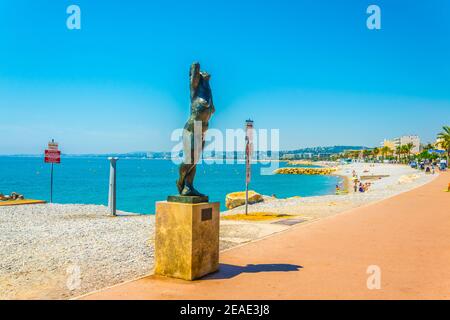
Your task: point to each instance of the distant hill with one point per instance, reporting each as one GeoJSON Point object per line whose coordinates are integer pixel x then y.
{"type": "Point", "coordinates": [311, 152]}
{"type": "Point", "coordinates": [317, 152]}
{"type": "Point", "coordinates": [133, 155]}
{"type": "Point", "coordinates": [323, 150]}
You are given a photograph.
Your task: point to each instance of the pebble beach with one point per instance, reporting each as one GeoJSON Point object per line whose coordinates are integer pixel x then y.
{"type": "Point", "coordinates": [51, 251]}
{"type": "Point", "coordinates": [396, 179]}
{"type": "Point", "coordinates": [44, 247]}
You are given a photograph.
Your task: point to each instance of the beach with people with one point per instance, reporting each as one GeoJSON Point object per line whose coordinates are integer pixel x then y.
{"type": "Point", "coordinates": [386, 180]}
{"type": "Point", "coordinates": [43, 245]}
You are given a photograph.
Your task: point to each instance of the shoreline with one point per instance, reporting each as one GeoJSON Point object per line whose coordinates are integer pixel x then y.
{"type": "Point", "coordinates": [400, 178]}
{"type": "Point", "coordinates": [346, 182]}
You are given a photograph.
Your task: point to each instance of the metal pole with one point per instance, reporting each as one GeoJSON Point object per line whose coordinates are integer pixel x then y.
{"type": "Point", "coordinates": [112, 185]}
{"type": "Point", "coordinates": [248, 141]}
{"type": "Point", "coordinates": [246, 197]}
{"type": "Point", "coordinates": [246, 172]}
{"type": "Point", "coordinates": [51, 185]}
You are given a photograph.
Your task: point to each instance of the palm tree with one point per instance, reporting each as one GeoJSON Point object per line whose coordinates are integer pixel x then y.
{"type": "Point", "coordinates": [354, 154]}
{"type": "Point", "coordinates": [444, 136]}
{"type": "Point", "coordinates": [375, 152]}
{"type": "Point", "coordinates": [427, 147]}
{"type": "Point", "coordinates": [408, 148]}
{"type": "Point", "coordinates": [398, 152]}
{"type": "Point", "coordinates": [366, 153]}
{"type": "Point", "coordinates": [385, 150]}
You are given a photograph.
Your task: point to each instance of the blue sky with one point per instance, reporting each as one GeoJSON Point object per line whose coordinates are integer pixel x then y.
{"type": "Point", "coordinates": [309, 68]}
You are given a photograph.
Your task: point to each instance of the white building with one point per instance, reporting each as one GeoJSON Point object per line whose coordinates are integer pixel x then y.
{"type": "Point", "coordinates": [403, 140]}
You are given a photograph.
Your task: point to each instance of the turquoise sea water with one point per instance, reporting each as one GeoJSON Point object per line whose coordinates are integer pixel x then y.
{"type": "Point", "coordinates": [142, 182]}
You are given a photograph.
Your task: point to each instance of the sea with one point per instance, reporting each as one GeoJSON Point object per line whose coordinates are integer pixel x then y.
{"type": "Point", "coordinates": [142, 182]}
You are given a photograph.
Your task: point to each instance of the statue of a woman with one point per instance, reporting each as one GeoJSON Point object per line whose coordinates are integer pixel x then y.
{"type": "Point", "coordinates": [202, 108]}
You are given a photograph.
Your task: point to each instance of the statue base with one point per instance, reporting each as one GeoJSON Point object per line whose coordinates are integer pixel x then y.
{"type": "Point", "coordinates": [187, 199]}
{"type": "Point", "coordinates": [186, 239]}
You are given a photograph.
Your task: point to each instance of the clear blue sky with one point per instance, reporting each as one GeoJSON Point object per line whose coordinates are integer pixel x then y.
{"type": "Point", "coordinates": [309, 68]}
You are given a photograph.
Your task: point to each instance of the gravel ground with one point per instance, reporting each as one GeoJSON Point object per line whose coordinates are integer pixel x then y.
{"type": "Point", "coordinates": [44, 247]}
{"type": "Point", "coordinates": [56, 251]}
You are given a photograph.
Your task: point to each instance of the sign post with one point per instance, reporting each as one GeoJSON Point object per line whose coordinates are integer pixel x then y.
{"type": "Point", "coordinates": [248, 157]}
{"type": "Point", "coordinates": [52, 155]}
{"type": "Point", "coordinates": [51, 185]}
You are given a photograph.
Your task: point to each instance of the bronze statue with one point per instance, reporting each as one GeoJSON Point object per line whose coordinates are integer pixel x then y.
{"type": "Point", "coordinates": [202, 108]}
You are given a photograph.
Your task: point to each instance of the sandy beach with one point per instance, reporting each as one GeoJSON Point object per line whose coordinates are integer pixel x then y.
{"type": "Point", "coordinates": [400, 178]}
{"type": "Point", "coordinates": [45, 246]}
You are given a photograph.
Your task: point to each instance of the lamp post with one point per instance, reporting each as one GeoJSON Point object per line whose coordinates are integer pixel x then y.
{"type": "Point", "coordinates": [112, 185]}
{"type": "Point", "coordinates": [248, 156]}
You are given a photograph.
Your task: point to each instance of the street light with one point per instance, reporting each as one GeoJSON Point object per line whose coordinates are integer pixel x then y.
{"type": "Point", "coordinates": [248, 156]}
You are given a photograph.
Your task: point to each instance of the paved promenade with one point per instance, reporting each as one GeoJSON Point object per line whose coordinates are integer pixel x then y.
{"type": "Point", "coordinates": [407, 237]}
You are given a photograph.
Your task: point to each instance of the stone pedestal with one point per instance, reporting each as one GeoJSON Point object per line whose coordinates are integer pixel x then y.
{"type": "Point", "coordinates": [186, 239]}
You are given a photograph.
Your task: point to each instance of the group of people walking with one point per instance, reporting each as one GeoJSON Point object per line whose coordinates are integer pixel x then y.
{"type": "Point", "coordinates": [358, 185]}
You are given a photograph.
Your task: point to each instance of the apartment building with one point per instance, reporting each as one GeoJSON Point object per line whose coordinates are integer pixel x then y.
{"type": "Point", "coordinates": [403, 140]}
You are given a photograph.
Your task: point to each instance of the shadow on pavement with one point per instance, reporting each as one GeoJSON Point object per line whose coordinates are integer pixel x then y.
{"type": "Point", "coordinates": [227, 271]}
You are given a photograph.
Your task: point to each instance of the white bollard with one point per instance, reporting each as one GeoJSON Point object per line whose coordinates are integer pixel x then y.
{"type": "Point", "coordinates": [112, 185]}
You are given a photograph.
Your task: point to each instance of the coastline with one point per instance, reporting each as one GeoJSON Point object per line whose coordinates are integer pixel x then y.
{"type": "Point", "coordinates": [401, 178]}
{"type": "Point", "coordinates": [124, 248]}
{"type": "Point", "coordinates": [141, 183]}
{"type": "Point", "coordinates": [346, 182]}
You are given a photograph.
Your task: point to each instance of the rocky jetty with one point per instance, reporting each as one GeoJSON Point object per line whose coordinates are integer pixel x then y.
{"type": "Point", "coordinates": [307, 171]}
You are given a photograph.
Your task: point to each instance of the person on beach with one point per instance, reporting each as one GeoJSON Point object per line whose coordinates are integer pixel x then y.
{"type": "Point", "coordinates": [442, 165]}
{"type": "Point", "coordinates": [361, 187]}
{"type": "Point", "coordinates": [12, 196]}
